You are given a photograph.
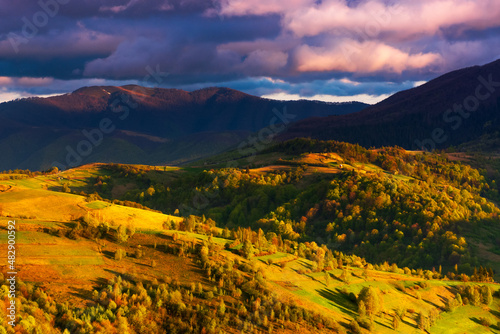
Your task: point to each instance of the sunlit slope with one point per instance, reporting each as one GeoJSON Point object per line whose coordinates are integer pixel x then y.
{"type": "Point", "coordinates": [25, 198]}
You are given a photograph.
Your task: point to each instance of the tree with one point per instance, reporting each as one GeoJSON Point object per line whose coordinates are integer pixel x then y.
{"type": "Point", "coordinates": [122, 325]}
{"type": "Point", "coordinates": [370, 297]}
{"type": "Point", "coordinates": [355, 327]}
{"type": "Point", "coordinates": [486, 296]}
{"type": "Point", "coordinates": [458, 298]}
{"type": "Point", "coordinates": [65, 188]}
{"type": "Point", "coordinates": [395, 322]}
{"type": "Point", "coordinates": [130, 230]}
{"type": "Point", "coordinates": [166, 225]}
{"type": "Point", "coordinates": [150, 191]}
{"type": "Point", "coordinates": [222, 308]}
{"type": "Point", "coordinates": [120, 254]}
{"type": "Point", "coordinates": [190, 223]}
{"type": "Point", "coordinates": [422, 322]}
{"type": "Point", "coordinates": [121, 234]}
{"type": "Point", "coordinates": [433, 316]}
{"type": "Point", "coordinates": [361, 309]}
{"type": "Point", "coordinates": [247, 249]}
{"type": "Point", "coordinates": [451, 305]}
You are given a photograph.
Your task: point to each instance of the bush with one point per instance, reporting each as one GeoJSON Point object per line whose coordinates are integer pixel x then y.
{"type": "Point", "coordinates": [451, 305]}
{"type": "Point", "coordinates": [399, 286]}
{"type": "Point", "coordinates": [354, 326]}
{"type": "Point", "coordinates": [120, 254]}
{"type": "Point", "coordinates": [423, 284]}
{"type": "Point", "coordinates": [365, 323]}
{"type": "Point", "coordinates": [209, 295]}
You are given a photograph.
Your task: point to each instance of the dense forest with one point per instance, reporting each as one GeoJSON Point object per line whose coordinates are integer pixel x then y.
{"type": "Point", "coordinates": [407, 206]}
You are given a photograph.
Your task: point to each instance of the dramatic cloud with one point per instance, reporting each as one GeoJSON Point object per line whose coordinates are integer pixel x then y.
{"type": "Point", "coordinates": [261, 7]}
{"type": "Point", "coordinates": [279, 48]}
{"type": "Point", "coordinates": [350, 56]}
{"type": "Point", "coordinates": [402, 19]}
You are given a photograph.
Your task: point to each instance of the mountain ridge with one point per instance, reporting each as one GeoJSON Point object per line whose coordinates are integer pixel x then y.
{"type": "Point", "coordinates": [216, 118]}
{"type": "Point", "coordinates": [409, 117]}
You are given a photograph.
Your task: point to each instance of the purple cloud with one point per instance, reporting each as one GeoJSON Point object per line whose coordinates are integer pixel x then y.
{"type": "Point", "coordinates": [298, 45]}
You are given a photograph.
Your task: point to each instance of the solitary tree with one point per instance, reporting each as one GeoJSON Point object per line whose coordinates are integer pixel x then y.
{"type": "Point", "coordinates": [370, 297]}
{"type": "Point", "coordinates": [247, 249]}
{"type": "Point", "coordinates": [486, 295]}
{"type": "Point", "coordinates": [121, 234]}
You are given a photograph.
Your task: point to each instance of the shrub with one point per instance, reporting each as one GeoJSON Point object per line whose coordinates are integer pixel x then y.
{"type": "Point", "coordinates": [354, 326]}
{"type": "Point", "coordinates": [399, 286]}
{"type": "Point", "coordinates": [209, 295]}
{"type": "Point", "coordinates": [451, 305]}
{"type": "Point", "coordinates": [365, 323]}
{"type": "Point", "coordinates": [120, 254]}
{"type": "Point", "coordinates": [423, 284]}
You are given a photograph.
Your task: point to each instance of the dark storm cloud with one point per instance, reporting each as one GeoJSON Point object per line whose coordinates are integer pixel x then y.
{"type": "Point", "coordinates": [302, 47]}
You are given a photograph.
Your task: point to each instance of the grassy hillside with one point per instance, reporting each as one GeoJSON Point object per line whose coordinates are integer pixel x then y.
{"type": "Point", "coordinates": [80, 285]}
{"type": "Point", "coordinates": [416, 209]}
{"type": "Point", "coordinates": [308, 236]}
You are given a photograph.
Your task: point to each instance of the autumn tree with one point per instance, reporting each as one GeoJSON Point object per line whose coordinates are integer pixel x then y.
{"type": "Point", "coordinates": [121, 234]}
{"type": "Point", "coordinates": [371, 299]}
{"type": "Point", "coordinates": [247, 249]}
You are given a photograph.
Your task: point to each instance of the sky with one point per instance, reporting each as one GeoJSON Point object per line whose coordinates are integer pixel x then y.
{"type": "Point", "coordinates": [331, 50]}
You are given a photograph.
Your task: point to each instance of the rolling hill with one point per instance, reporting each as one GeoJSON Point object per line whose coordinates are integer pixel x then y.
{"type": "Point", "coordinates": [419, 210]}
{"type": "Point", "coordinates": [78, 273]}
